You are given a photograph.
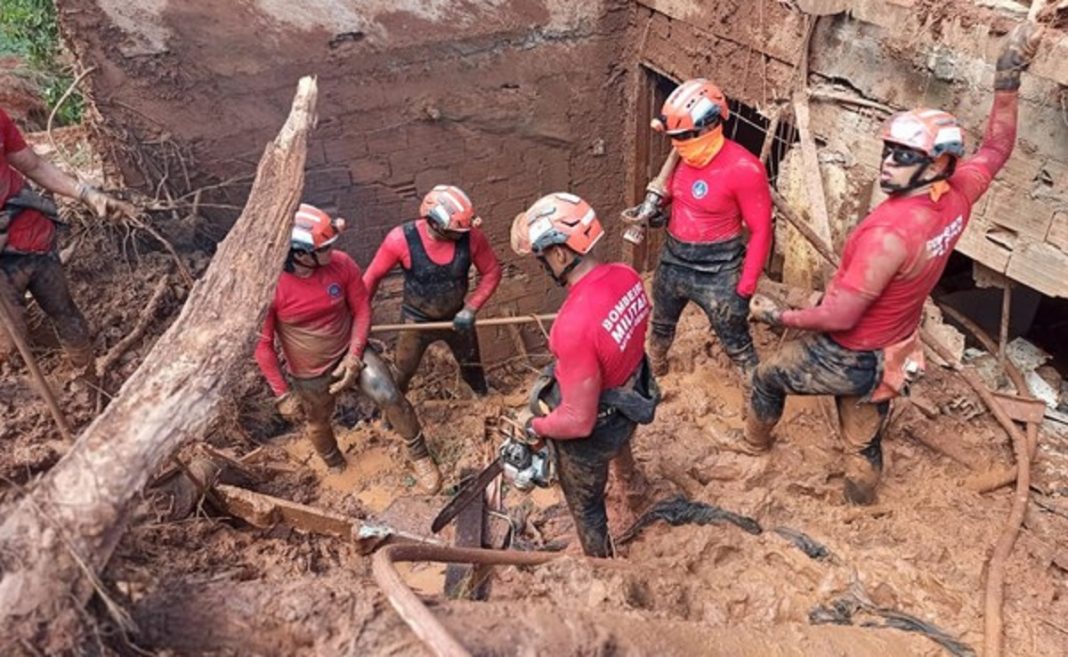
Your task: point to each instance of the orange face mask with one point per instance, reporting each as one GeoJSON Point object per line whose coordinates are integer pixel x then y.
{"type": "Point", "coordinates": [699, 151]}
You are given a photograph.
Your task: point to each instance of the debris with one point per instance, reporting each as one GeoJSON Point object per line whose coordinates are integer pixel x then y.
{"type": "Point", "coordinates": [170, 398]}
{"type": "Point", "coordinates": [845, 610]}
{"type": "Point", "coordinates": [804, 542]}
{"type": "Point", "coordinates": [681, 511]}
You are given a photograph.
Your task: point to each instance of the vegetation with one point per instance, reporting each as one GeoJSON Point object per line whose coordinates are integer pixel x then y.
{"type": "Point", "coordinates": [29, 30]}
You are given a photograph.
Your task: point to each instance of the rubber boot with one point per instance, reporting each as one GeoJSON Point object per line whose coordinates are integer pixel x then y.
{"type": "Point", "coordinates": [658, 355]}
{"type": "Point", "coordinates": [863, 470]}
{"type": "Point", "coordinates": [322, 438]}
{"type": "Point", "coordinates": [84, 364]}
{"type": "Point", "coordinates": [756, 439]}
{"type": "Point", "coordinates": [427, 475]}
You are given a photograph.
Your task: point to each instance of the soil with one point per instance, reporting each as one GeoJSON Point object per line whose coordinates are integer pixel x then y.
{"type": "Point", "coordinates": [194, 586]}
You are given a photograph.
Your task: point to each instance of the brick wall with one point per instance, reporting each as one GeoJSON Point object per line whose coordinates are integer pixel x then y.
{"type": "Point", "coordinates": [507, 102]}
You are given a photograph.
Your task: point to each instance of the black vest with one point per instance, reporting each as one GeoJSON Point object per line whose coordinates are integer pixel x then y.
{"type": "Point", "coordinates": [434, 292]}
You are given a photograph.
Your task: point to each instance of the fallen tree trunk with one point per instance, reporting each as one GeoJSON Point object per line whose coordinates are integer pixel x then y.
{"type": "Point", "coordinates": [56, 537]}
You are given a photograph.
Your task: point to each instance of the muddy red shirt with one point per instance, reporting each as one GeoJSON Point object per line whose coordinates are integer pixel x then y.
{"type": "Point", "coordinates": [598, 339]}
{"type": "Point", "coordinates": [31, 231]}
{"type": "Point", "coordinates": [929, 230]}
{"type": "Point", "coordinates": [394, 250]}
{"type": "Point", "coordinates": [711, 203]}
{"type": "Point", "coordinates": [317, 320]}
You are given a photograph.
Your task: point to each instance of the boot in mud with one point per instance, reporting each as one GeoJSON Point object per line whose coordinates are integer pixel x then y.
{"type": "Point", "coordinates": [427, 475]}
{"type": "Point", "coordinates": [84, 364]}
{"type": "Point", "coordinates": [335, 461]}
{"type": "Point", "coordinates": [658, 355]}
{"type": "Point", "coordinates": [321, 436]}
{"type": "Point", "coordinates": [863, 470]}
{"type": "Point", "coordinates": [756, 439]}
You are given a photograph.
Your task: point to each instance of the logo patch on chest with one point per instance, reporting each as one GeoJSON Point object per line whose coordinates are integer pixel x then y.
{"type": "Point", "coordinates": [334, 290]}
{"type": "Point", "coordinates": [699, 189]}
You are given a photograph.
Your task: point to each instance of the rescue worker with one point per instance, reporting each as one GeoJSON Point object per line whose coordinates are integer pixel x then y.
{"type": "Point", "coordinates": [864, 345]}
{"type": "Point", "coordinates": [321, 315]}
{"type": "Point", "coordinates": [600, 385]}
{"type": "Point", "coordinates": [28, 254]}
{"type": "Point", "coordinates": [436, 252]}
{"type": "Point", "coordinates": [717, 188]}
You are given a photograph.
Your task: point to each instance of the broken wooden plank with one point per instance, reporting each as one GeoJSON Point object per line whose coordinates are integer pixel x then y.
{"type": "Point", "coordinates": [460, 580]}
{"type": "Point", "coordinates": [67, 526]}
{"type": "Point", "coordinates": [266, 511]}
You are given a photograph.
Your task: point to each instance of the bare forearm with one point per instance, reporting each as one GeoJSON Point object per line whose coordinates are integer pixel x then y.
{"type": "Point", "coordinates": [51, 177]}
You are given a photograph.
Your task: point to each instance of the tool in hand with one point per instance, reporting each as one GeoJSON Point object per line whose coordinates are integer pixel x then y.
{"type": "Point", "coordinates": [640, 217]}
{"type": "Point", "coordinates": [523, 465]}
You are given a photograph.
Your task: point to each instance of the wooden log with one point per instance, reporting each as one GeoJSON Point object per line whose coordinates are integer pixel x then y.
{"type": "Point", "coordinates": [60, 534]}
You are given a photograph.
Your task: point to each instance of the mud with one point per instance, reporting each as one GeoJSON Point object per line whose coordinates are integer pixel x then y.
{"type": "Point", "coordinates": [920, 551]}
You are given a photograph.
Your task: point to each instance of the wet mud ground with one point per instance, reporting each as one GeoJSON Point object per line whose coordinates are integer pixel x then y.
{"type": "Point", "coordinates": [212, 585]}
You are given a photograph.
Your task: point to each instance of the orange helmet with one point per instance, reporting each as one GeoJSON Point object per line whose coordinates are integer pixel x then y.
{"type": "Point", "coordinates": [557, 219]}
{"type": "Point", "coordinates": [448, 208]}
{"type": "Point", "coordinates": [694, 104]}
{"type": "Point", "coordinates": [313, 229]}
{"type": "Point", "coordinates": [930, 131]}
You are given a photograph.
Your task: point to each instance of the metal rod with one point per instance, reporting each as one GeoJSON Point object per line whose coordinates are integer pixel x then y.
{"type": "Point", "coordinates": [438, 326]}
{"type": "Point", "coordinates": [7, 318]}
{"type": "Point", "coordinates": [1006, 309]}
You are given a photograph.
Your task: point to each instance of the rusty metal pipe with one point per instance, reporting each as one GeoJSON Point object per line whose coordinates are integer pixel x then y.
{"type": "Point", "coordinates": [412, 610]}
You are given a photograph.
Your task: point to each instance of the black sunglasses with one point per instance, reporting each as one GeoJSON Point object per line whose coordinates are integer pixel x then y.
{"type": "Point", "coordinates": [903, 156]}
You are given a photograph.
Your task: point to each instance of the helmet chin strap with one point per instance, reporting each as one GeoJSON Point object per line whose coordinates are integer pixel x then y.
{"type": "Point", "coordinates": [561, 278]}
{"type": "Point", "coordinates": [291, 261]}
{"type": "Point", "coordinates": [914, 180]}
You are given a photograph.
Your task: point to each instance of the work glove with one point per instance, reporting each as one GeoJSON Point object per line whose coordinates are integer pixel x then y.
{"type": "Point", "coordinates": [104, 206]}
{"type": "Point", "coordinates": [1016, 55]}
{"type": "Point", "coordinates": [465, 319]}
{"type": "Point", "coordinates": [288, 406]}
{"type": "Point", "coordinates": [525, 419]}
{"type": "Point", "coordinates": [649, 212]}
{"type": "Point", "coordinates": [345, 373]}
{"type": "Point", "coordinates": [764, 310]}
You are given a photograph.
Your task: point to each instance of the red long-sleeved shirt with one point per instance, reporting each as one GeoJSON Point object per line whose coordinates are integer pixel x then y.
{"type": "Point", "coordinates": [894, 257]}
{"type": "Point", "coordinates": [709, 204]}
{"type": "Point", "coordinates": [318, 320]}
{"type": "Point", "coordinates": [31, 231]}
{"type": "Point", "coordinates": [598, 339]}
{"type": "Point", "coordinates": [394, 251]}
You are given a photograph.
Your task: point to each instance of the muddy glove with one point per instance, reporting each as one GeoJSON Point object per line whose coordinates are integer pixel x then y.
{"type": "Point", "coordinates": [525, 419]}
{"type": "Point", "coordinates": [103, 205]}
{"type": "Point", "coordinates": [1016, 55]}
{"type": "Point", "coordinates": [346, 373]}
{"type": "Point", "coordinates": [650, 212]}
{"type": "Point", "coordinates": [762, 309]}
{"type": "Point", "coordinates": [465, 319]}
{"type": "Point", "coordinates": [288, 406]}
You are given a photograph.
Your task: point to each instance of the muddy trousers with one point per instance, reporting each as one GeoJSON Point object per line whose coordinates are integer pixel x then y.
{"type": "Point", "coordinates": [377, 383]}
{"type": "Point", "coordinates": [411, 345]}
{"type": "Point", "coordinates": [674, 286]}
{"type": "Point", "coordinates": [42, 274]}
{"type": "Point", "coordinates": [582, 466]}
{"type": "Point", "coordinates": [817, 365]}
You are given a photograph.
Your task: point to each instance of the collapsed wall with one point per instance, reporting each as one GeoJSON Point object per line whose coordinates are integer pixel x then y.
{"type": "Point", "coordinates": [508, 99]}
